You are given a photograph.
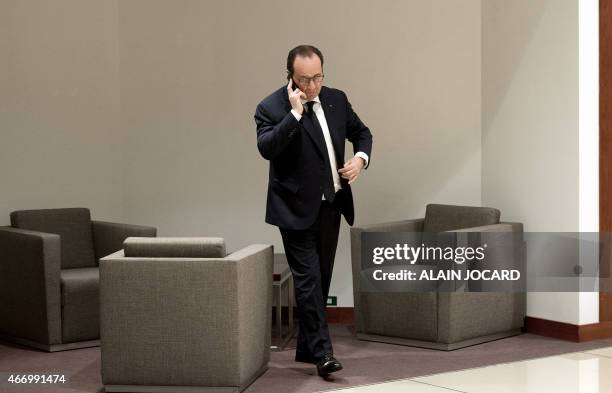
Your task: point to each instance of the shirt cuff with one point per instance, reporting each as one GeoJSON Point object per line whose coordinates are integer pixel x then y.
{"type": "Point", "coordinates": [297, 116]}
{"type": "Point", "coordinates": [365, 158]}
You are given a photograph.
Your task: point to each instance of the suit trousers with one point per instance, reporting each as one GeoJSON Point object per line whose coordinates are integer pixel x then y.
{"type": "Point", "coordinates": [310, 254]}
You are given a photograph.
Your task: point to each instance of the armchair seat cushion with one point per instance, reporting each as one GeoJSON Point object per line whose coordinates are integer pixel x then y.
{"type": "Point", "coordinates": [80, 304]}
{"type": "Point", "coordinates": [74, 227]}
{"type": "Point", "coordinates": [440, 218]}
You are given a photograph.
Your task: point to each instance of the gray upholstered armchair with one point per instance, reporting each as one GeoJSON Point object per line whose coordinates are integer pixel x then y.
{"type": "Point", "coordinates": [438, 320]}
{"type": "Point", "coordinates": [178, 314]}
{"type": "Point", "coordinates": [49, 276]}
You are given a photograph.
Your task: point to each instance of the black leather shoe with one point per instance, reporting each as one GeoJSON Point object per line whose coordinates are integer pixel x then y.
{"type": "Point", "coordinates": [327, 365]}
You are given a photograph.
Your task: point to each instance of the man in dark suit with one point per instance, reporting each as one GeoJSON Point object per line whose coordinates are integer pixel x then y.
{"type": "Point", "coordinates": [301, 130]}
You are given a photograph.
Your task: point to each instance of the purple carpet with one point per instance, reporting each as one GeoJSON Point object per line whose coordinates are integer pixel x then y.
{"type": "Point", "coordinates": [364, 363]}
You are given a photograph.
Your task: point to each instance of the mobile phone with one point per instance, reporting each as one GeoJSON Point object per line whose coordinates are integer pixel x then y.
{"type": "Point", "coordinates": [294, 85]}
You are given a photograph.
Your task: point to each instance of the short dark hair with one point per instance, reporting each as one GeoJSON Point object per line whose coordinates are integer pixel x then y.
{"type": "Point", "coordinates": [304, 51]}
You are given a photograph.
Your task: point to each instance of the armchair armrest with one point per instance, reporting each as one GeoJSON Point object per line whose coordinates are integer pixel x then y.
{"type": "Point", "coordinates": [413, 225]}
{"type": "Point", "coordinates": [254, 269]}
{"type": "Point", "coordinates": [109, 236]}
{"type": "Point", "coordinates": [506, 250]}
{"type": "Point", "coordinates": [30, 300]}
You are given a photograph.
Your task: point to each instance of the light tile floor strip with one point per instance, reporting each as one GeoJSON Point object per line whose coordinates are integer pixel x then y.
{"type": "Point", "coordinates": [578, 372]}
{"type": "Point", "coordinates": [400, 386]}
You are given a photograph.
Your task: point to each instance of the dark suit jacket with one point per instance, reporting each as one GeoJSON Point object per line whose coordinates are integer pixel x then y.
{"type": "Point", "coordinates": [297, 151]}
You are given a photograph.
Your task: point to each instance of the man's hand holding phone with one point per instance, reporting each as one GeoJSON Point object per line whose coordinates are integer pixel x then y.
{"type": "Point", "coordinates": [295, 97]}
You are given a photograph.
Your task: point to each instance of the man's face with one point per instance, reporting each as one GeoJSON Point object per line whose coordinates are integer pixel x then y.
{"type": "Point", "coordinates": [305, 68]}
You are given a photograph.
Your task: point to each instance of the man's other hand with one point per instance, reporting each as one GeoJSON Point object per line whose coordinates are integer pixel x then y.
{"type": "Point", "coordinates": [352, 168]}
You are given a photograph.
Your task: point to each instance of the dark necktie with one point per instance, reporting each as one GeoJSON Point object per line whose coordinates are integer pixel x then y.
{"type": "Point", "coordinates": [328, 181]}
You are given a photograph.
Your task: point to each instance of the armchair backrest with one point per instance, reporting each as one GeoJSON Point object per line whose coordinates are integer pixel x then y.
{"type": "Point", "coordinates": [174, 247]}
{"type": "Point", "coordinates": [440, 218]}
{"type": "Point", "coordinates": [73, 225]}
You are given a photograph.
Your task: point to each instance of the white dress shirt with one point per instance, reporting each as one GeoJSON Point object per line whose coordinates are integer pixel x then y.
{"type": "Point", "coordinates": [318, 110]}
